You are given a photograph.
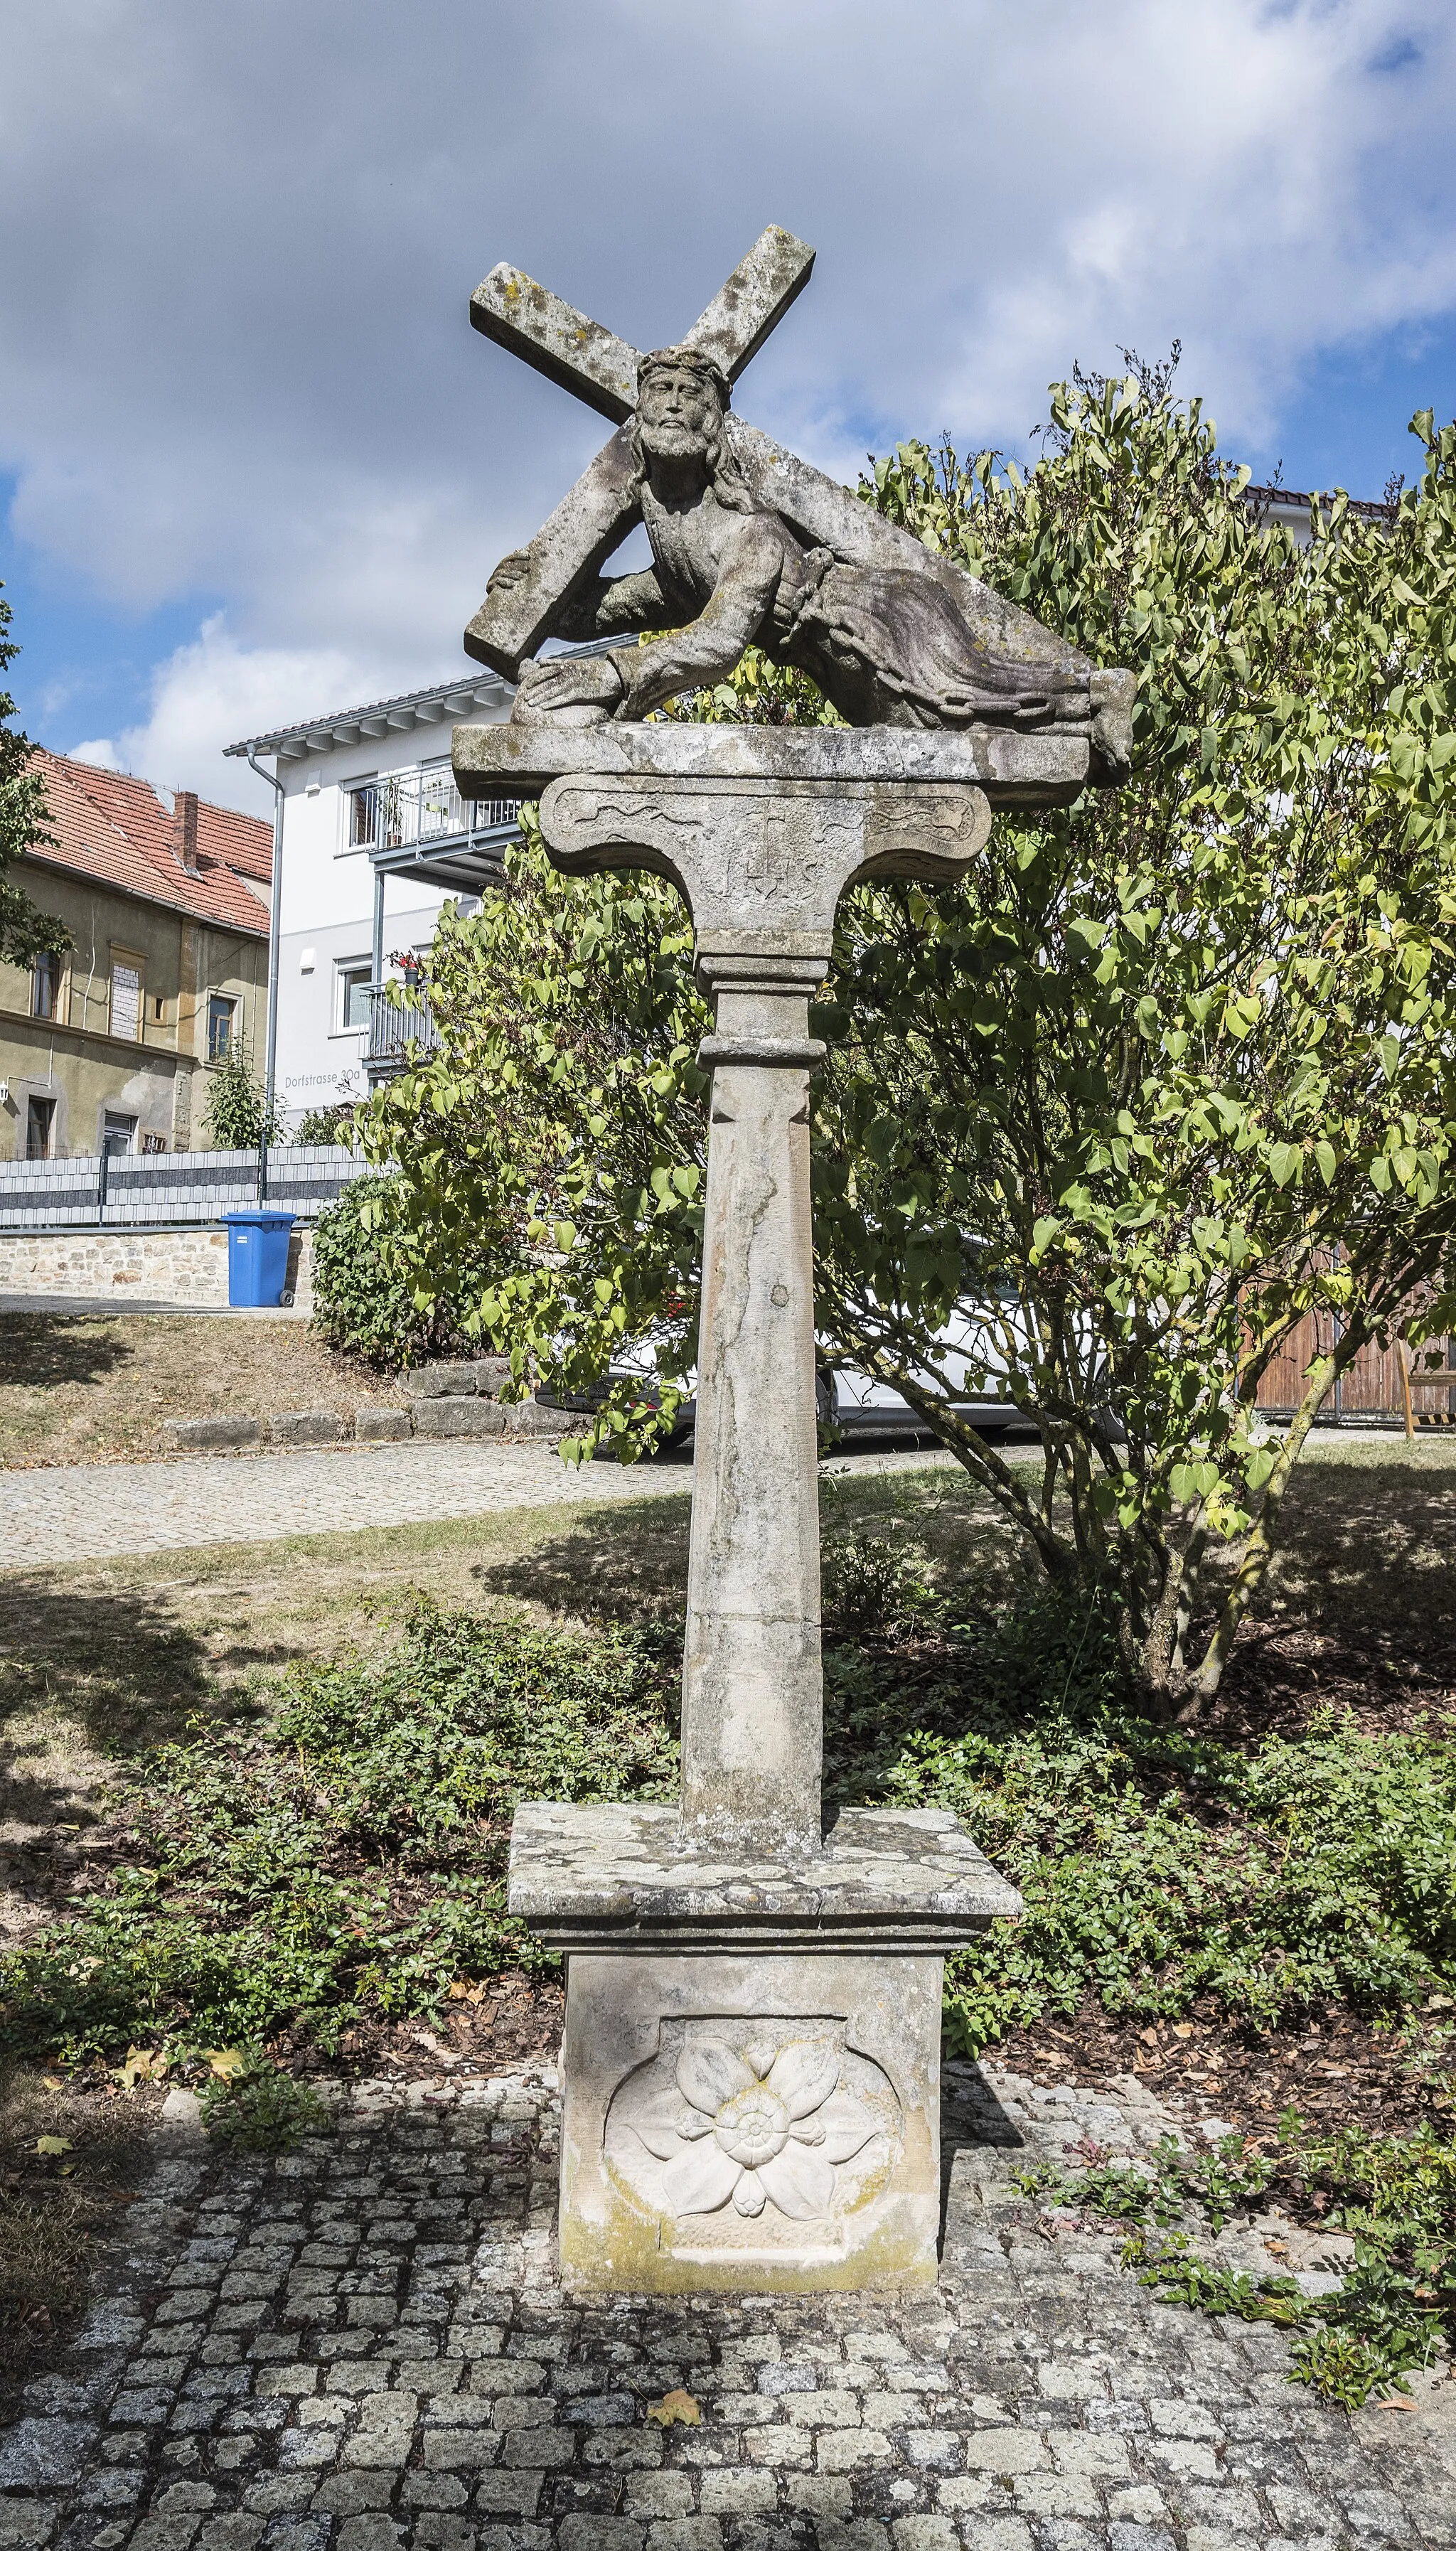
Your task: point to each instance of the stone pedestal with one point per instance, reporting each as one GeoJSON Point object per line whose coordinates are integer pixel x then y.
{"type": "Point", "coordinates": [753, 2010]}
{"type": "Point", "coordinates": [769, 2123]}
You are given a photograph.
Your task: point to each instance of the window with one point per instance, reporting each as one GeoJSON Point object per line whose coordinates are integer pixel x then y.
{"type": "Point", "coordinates": [153, 1142]}
{"type": "Point", "coordinates": [363, 816]}
{"type": "Point", "coordinates": [220, 1012]}
{"type": "Point", "coordinates": [376, 814]}
{"type": "Point", "coordinates": [40, 1121]}
{"type": "Point", "coordinates": [45, 999]}
{"type": "Point", "coordinates": [126, 997]}
{"type": "Point", "coordinates": [118, 1135]}
{"type": "Point", "coordinates": [354, 996]}
{"type": "Point", "coordinates": [159, 1009]}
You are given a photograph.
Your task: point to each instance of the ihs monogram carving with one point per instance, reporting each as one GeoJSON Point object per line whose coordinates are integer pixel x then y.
{"type": "Point", "coordinates": [773, 2122]}
{"type": "Point", "coordinates": [750, 854]}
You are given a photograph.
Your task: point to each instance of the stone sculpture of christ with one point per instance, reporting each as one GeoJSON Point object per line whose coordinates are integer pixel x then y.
{"type": "Point", "coordinates": [886, 644]}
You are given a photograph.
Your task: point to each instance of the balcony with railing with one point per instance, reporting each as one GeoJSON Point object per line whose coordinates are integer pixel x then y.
{"type": "Point", "coordinates": [416, 823]}
{"type": "Point", "coordinates": [402, 1030]}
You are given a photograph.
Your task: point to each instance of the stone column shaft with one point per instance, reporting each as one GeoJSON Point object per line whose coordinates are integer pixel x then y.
{"type": "Point", "coordinates": [752, 1680]}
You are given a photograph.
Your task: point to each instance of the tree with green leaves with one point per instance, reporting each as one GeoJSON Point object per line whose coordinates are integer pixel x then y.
{"type": "Point", "coordinates": [26, 932]}
{"type": "Point", "coordinates": [1100, 1128]}
{"type": "Point", "coordinates": [238, 1116]}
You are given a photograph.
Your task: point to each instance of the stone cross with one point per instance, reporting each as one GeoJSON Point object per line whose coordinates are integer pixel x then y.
{"type": "Point", "coordinates": [753, 2008]}
{"type": "Point", "coordinates": [600, 368]}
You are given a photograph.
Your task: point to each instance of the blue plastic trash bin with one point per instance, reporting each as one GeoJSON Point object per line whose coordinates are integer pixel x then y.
{"type": "Point", "coordinates": [257, 1258]}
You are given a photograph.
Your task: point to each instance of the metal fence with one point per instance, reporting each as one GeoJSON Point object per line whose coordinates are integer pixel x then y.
{"type": "Point", "coordinates": [419, 807]}
{"type": "Point", "coordinates": [135, 1190]}
{"type": "Point", "coordinates": [400, 1023]}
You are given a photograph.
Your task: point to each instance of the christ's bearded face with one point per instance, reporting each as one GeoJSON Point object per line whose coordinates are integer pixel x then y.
{"type": "Point", "coordinates": [678, 413]}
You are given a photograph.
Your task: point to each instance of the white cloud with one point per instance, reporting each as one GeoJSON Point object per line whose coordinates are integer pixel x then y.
{"type": "Point", "coordinates": [213, 692]}
{"type": "Point", "coordinates": [234, 358]}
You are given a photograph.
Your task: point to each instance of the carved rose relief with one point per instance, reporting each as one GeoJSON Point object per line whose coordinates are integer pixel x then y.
{"type": "Point", "coordinates": [766, 2123]}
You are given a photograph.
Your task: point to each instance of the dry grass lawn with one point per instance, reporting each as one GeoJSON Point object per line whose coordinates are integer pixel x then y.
{"type": "Point", "coordinates": [99, 1390]}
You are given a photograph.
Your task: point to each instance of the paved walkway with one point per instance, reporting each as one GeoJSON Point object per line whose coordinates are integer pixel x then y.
{"type": "Point", "coordinates": [364, 2348]}
{"type": "Point", "coordinates": [123, 1509]}
{"type": "Point", "coordinates": [101, 1306]}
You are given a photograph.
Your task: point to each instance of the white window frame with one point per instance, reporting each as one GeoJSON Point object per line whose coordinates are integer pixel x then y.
{"type": "Point", "coordinates": [349, 790]}
{"type": "Point", "coordinates": [233, 1008]}
{"type": "Point", "coordinates": [344, 967]}
{"type": "Point", "coordinates": [127, 960]}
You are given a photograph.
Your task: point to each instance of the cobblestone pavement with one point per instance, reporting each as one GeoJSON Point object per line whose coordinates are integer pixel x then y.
{"type": "Point", "coordinates": [122, 1509]}
{"type": "Point", "coordinates": [362, 2348]}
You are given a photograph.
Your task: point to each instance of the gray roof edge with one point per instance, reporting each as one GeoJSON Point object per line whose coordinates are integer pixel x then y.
{"type": "Point", "coordinates": [477, 689]}
{"type": "Point", "coordinates": [473, 688]}
{"type": "Point", "coordinates": [1299, 501]}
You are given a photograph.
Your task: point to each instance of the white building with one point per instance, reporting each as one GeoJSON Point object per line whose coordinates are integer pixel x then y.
{"type": "Point", "coordinates": [373, 839]}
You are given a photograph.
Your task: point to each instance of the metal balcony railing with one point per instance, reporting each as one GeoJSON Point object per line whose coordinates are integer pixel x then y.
{"type": "Point", "coordinates": [420, 808]}
{"type": "Point", "coordinates": [401, 1028]}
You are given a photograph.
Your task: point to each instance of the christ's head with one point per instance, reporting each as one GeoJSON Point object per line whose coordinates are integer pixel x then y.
{"type": "Point", "coordinates": [682, 400]}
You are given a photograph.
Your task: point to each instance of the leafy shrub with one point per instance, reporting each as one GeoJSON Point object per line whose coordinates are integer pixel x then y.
{"type": "Point", "coordinates": [365, 1295]}
{"type": "Point", "coordinates": [236, 1116]}
{"type": "Point", "coordinates": [349, 1861]}
{"type": "Point", "coordinates": [327, 1124]}
{"type": "Point", "coordinates": [263, 2110]}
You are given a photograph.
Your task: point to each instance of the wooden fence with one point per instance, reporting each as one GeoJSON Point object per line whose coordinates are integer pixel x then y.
{"type": "Point", "coordinates": [1370, 1389]}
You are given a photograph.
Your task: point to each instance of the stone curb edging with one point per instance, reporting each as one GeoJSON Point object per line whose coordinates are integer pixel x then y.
{"type": "Point", "coordinates": [448, 1402]}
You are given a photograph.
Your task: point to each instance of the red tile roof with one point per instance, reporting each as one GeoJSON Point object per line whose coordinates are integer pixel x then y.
{"type": "Point", "coordinates": [111, 827]}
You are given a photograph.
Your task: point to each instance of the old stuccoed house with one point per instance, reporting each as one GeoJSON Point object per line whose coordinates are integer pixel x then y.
{"type": "Point", "coordinates": [110, 1046]}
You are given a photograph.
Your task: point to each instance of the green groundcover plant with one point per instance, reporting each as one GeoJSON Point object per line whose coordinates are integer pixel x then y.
{"type": "Point", "coordinates": [1394, 2196]}
{"type": "Point", "coordinates": [347, 1856]}
{"type": "Point", "coordinates": [344, 1860]}
{"type": "Point", "coordinates": [347, 1861]}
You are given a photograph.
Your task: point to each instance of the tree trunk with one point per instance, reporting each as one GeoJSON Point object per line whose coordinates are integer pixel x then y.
{"type": "Point", "coordinates": [1259, 1549]}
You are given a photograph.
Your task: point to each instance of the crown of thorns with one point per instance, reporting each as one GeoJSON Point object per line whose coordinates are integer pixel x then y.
{"type": "Point", "coordinates": [686, 358]}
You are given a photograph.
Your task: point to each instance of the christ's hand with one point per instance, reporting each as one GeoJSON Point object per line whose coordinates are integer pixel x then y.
{"type": "Point", "coordinates": [512, 571]}
{"type": "Point", "coordinates": [579, 690]}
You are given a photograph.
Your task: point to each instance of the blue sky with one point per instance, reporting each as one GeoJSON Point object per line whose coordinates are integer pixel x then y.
{"type": "Point", "coordinates": [254, 464]}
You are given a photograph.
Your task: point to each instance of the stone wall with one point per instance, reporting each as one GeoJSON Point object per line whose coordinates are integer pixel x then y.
{"type": "Point", "coordinates": [185, 1266]}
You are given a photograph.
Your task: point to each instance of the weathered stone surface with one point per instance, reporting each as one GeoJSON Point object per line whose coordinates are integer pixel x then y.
{"type": "Point", "coordinates": [380, 1425]}
{"type": "Point", "coordinates": [893, 635]}
{"type": "Point", "coordinates": [130, 1267]}
{"type": "Point", "coordinates": [44, 2453]}
{"type": "Point", "coordinates": [306, 1426]}
{"type": "Point", "coordinates": [765, 2123]}
{"type": "Point", "coordinates": [843, 2420]}
{"type": "Point", "coordinates": [1011, 767]}
{"type": "Point", "coordinates": [479, 1377]}
{"type": "Point", "coordinates": [762, 860]}
{"type": "Point", "coordinates": [599, 367]}
{"type": "Point", "coordinates": [210, 1434]}
{"type": "Point", "coordinates": [626, 1877]}
{"type": "Point", "coordinates": [602, 368]}
{"type": "Point", "coordinates": [529, 1420]}
{"type": "Point", "coordinates": [451, 1418]}
{"type": "Point", "coordinates": [957, 700]}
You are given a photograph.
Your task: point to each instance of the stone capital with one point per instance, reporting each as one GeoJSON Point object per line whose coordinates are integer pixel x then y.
{"type": "Point", "coordinates": [762, 863]}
